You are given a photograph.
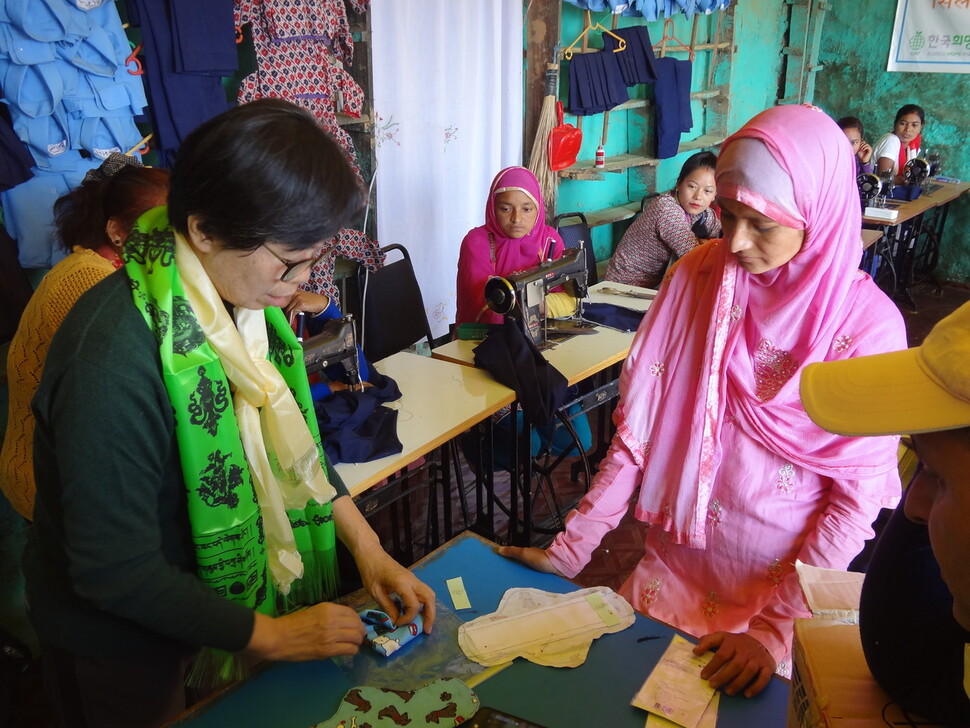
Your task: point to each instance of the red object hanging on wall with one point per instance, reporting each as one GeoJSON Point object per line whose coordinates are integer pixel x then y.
{"type": "Point", "coordinates": [564, 143]}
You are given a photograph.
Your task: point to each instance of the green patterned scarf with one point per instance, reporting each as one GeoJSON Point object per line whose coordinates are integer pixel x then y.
{"type": "Point", "coordinates": [231, 508]}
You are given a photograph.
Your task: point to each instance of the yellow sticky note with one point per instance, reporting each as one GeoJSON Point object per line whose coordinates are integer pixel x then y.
{"type": "Point", "coordinates": [459, 597]}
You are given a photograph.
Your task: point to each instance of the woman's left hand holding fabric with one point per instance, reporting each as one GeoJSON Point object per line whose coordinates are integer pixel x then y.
{"type": "Point", "coordinates": [740, 663]}
{"type": "Point", "coordinates": [381, 575]}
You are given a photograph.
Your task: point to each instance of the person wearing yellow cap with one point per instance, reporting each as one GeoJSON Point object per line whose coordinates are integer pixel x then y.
{"type": "Point", "coordinates": [915, 611]}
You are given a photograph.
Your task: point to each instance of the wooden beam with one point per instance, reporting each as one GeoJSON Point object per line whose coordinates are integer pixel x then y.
{"type": "Point", "coordinates": [543, 28]}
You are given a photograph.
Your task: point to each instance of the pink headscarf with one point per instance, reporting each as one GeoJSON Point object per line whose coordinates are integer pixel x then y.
{"type": "Point", "coordinates": [717, 333]}
{"type": "Point", "coordinates": [475, 265]}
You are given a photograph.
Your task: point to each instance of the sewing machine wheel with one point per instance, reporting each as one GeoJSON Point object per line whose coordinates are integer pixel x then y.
{"type": "Point", "coordinates": [916, 170]}
{"type": "Point", "coordinates": [869, 185]}
{"type": "Point", "coordinates": [500, 295]}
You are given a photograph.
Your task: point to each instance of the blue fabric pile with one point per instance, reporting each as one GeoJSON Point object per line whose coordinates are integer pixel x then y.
{"type": "Point", "coordinates": [72, 102]}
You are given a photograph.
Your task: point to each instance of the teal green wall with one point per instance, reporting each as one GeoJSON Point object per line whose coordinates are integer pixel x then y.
{"type": "Point", "coordinates": [758, 36]}
{"type": "Point", "coordinates": [854, 81]}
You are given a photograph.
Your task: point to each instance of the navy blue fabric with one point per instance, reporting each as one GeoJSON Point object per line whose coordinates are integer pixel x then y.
{"type": "Point", "coordinates": [615, 317]}
{"type": "Point", "coordinates": [513, 359]}
{"type": "Point", "coordinates": [205, 36]}
{"type": "Point", "coordinates": [355, 428]}
{"type": "Point", "coordinates": [636, 61]}
{"type": "Point", "coordinates": [672, 101]}
{"type": "Point", "coordinates": [595, 83]}
{"type": "Point", "coordinates": [15, 160]}
{"type": "Point", "coordinates": [912, 642]}
{"type": "Point", "coordinates": [906, 192]}
{"type": "Point", "coordinates": [651, 9]}
{"type": "Point", "coordinates": [179, 101]}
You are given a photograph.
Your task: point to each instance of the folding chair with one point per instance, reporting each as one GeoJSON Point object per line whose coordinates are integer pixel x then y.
{"type": "Point", "coordinates": [577, 233]}
{"type": "Point", "coordinates": [392, 314]}
{"type": "Point", "coordinates": [391, 317]}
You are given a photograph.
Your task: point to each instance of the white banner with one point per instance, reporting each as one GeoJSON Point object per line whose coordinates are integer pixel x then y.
{"type": "Point", "coordinates": [931, 36]}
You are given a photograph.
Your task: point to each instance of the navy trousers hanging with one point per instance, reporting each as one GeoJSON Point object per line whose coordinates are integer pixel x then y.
{"type": "Point", "coordinates": [672, 101]}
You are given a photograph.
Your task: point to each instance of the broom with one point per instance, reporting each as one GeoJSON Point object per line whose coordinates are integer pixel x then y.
{"type": "Point", "coordinates": [539, 158]}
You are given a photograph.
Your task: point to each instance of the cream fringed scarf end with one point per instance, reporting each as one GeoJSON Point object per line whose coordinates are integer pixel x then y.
{"type": "Point", "coordinates": [282, 456]}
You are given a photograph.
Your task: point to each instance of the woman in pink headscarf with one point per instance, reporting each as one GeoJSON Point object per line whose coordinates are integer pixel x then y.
{"type": "Point", "coordinates": [513, 238]}
{"type": "Point", "coordinates": [732, 477]}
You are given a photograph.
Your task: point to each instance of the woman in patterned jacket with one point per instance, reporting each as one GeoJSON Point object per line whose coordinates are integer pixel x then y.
{"type": "Point", "coordinates": [732, 478]}
{"type": "Point", "coordinates": [672, 225]}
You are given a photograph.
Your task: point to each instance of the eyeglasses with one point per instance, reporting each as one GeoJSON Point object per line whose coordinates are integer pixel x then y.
{"type": "Point", "coordinates": [300, 266]}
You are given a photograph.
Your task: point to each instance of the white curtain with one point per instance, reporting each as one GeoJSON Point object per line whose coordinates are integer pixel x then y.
{"type": "Point", "coordinates": [448, 103]}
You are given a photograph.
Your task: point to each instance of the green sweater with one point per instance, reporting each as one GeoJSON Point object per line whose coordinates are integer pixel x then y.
{"type": "Point", "coordinates": [109, 561]}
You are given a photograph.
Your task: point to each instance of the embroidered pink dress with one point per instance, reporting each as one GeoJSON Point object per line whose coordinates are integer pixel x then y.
{"type": "Point", "coordinates": [712, 443]}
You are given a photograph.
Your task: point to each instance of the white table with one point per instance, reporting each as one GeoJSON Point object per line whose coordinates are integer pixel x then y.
{"type": "Point", "coordinates": [440, 400]}
{"type": "Point", "coordinates": [578, 358]}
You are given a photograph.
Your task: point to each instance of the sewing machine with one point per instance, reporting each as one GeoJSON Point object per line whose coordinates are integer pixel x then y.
{"type": "Point", "coordinates": [522, 295]}
{"type": "Point", "coordinates": [336, 344]}
{"type": "Point", "coordinates": [916, 171]}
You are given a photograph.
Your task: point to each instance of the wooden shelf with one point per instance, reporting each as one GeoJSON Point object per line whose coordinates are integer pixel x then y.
{"type": "Point", "coordinates": [345, 120]}
{"type": "Point", "coordinates": [620, 163]}
{"type": "Point", "coordinates": [612, 214]}
{"type": "Point", "coordinates": [586, 169]}
{"type": "Point", "coordinates": [644, 103]}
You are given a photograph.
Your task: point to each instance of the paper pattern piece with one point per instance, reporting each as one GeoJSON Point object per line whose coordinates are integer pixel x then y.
{"type": "Point", "coordinates": [548, 629]}
{"type": "Point", "coordinates": [382, 634]}
{"type": "Point", "coordinates": [674, 689]}
{"type": "Point", "coordinates": [708, 720]}
{"type": "Point", "coordinates": [830, 593]}
{"type": "Point", "coordinates": [459, 597]}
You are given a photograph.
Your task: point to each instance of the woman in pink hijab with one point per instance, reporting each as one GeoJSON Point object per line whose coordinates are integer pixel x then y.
{"type": "Point", "coordinates": [513, 238]}
{"type": "Point", "coordinates": [731, 476]}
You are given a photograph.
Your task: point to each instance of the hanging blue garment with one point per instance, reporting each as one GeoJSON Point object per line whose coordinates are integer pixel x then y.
{"type": "Point", "coordinates": [651, 9]}
{"type": "Point", "coordinates": [672, 102]}
{"type": "Point", "coordinates": [206, 37]}
{"type": "Point", "coordinates": [29, 212]}
{"type": "Point", "coordinates": [636, 60]}
{"type": "Point", "coordinates": [180, 101]}
{"type": "Point", "coordinates": [15, 160]}
{"type": "Point", "coordinates": [595, 83]}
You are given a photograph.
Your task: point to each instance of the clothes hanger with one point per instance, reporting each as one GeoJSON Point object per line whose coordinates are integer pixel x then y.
{"type": "Point", "coordinates": [669, 35]}
{"type": "Point", "coordinates": [620, 43]}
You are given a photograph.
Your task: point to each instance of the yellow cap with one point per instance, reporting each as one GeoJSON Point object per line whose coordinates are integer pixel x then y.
{"type": "Point", "coordinates": [903, 392]}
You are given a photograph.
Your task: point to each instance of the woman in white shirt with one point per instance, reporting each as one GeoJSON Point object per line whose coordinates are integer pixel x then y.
{"type": "Point", "coordinates": [903, 143]}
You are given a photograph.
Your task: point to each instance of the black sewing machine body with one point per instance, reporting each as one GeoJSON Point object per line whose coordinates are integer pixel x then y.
{"type": "Point", "coordinates": [336, 344]}
{"type": "Point", "coordinates": [522, 295]}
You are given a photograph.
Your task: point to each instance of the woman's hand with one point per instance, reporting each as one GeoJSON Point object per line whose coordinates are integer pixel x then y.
{"type": "Point", "coordinates": [311, 303]}
{"type": "Point", "coordinates": [316, 633]}
{"type": "Point", "coordinates": [740, 662]}
{"type": "Point", "coordinates": [534, 558]}
{"type": "Point", "coordinates": [864, 153]}
{"type": "Point", "coordinates": [383, 576]}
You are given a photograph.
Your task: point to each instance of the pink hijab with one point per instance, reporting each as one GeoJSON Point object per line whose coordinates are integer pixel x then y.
{"type": "Point", "coordinates": [717, 333]}
{"type": "Point", "coordinates": [475, 263]}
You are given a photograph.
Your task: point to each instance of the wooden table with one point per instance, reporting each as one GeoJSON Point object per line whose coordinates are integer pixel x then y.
{"type": "Point", "coordinates": [578, 358]}
{"type": "Point", "coordinates": [597, 693]}
{"type": "Point", "coordinates": [910, 249]}
{"type": "Point", "coordinates": [439, 401]}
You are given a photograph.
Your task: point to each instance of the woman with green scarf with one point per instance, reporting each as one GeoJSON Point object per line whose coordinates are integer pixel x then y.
{"type": "Point", "coordinates": [186, 515]}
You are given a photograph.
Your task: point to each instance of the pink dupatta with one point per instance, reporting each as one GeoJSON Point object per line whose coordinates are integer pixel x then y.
{"type": "Point", "coordinates": [717, 333]}
{"type": "Point", "coordinates": [475, 264]}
